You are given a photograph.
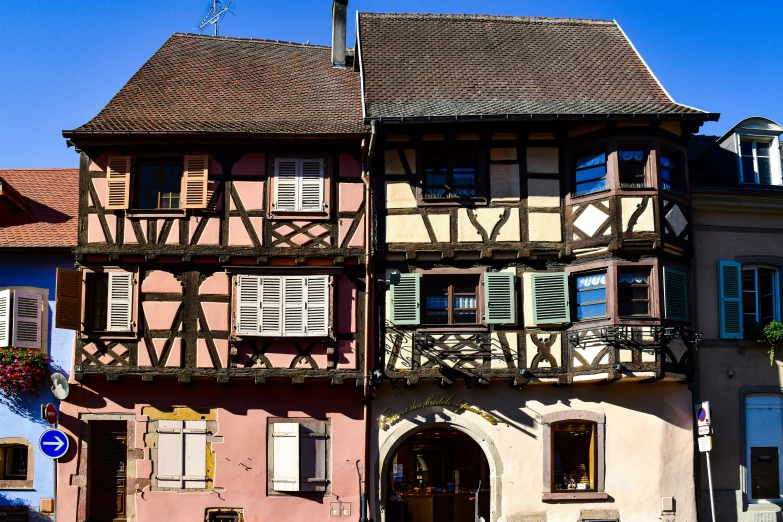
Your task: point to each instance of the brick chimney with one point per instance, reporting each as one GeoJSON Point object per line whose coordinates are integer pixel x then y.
{"type": "Point", "coordinates": [339, 15]}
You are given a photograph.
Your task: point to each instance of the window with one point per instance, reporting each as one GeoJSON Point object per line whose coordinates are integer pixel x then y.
{"type": "Point", "coordinates": [672, 174]}
{"type": "Point", "coordinates": [453, 174]}
{"type": "Point", "coordinates": [299, 185]}
{"type": "Point", "coordinates": [760, 301]}
{"type": "Point", "coordinates": [632, 161]}
{"type": "Point", "coordinates": [633, 293]}
{"type": "Point", "coordinates": [21, 319]}
{"type": "Point", "coordinates": [224, 515]}
{"type": "Point", "coordinates": [591, 296]}
{"type": "Point", "coordinates": [298, 452]}
{"type": "Point", "coordinates": [756, 163]}
{"type": "Point", "coordinates": [108, 303]}
{"type": "Point", "coordinates": [291, 306]}
{"type": "Point", "coordinates": [181, 457]}
{"type": "Point", "coordinates": [158, 184]}
{"type": "Point", "coordinates": [14, 462]}
{"type": "Point", "coordinates": [590, 173]}
{"type": "Point", "coordinates": [451, 299]}
{"type": "Point", "coordinates": [764, 445]}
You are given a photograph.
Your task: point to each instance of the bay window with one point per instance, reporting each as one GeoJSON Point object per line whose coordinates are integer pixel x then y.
{"type": "Point", "coordinates": [633, 293]}
{"type": "Point", "coordinates": [632, 161]}
{"type": "Point", "coordinates": [591, 295]}
{"type": "Point", "coordinates": [590, 173]}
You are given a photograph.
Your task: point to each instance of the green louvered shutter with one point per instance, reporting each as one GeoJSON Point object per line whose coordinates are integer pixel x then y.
{"type": "Point", "coordinates": [405, 300]}
{"type": "Point", "coordinates": [730, 286]}
{"type": "Point", "coordinates": [499, 301]}
{"type": "Point", "coordinates": [550, 298]}
{"type": "Point", "coordinates": [675, 294]}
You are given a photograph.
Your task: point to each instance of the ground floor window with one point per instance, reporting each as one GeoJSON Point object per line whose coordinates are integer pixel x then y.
{"type": "Point", "coordinates": [573, 454]}
{"type": "Point", "coordinates": [764, 441]}
{"type": "Point", "coordinates": [15, 462]}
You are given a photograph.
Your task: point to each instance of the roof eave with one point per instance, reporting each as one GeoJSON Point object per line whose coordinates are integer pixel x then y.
{"type": "Point", "coordinates": [689, 116]}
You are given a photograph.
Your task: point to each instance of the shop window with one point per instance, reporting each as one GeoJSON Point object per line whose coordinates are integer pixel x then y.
{"type": "Point", "coordinates": [633, 293]}
{"type": "Point", "coordinates": [451, 174]}
{"type": "Point", "coordinates": [590, 173]}
{"type": "Point", "coordinates": [764, 441]}
{"type": "Point", "coordinates": [632, 163]}
{"type": "Point", "coordinates": [451, 300]}
{"type": "Point", "coordinates": [672, 170]}
{"type": "Point", "coordinates": [181, 457]}
{"type": "Point", "coordinates": [298, 450]}
{"type": "Point", "coordinates": [591, 295]}
{"type": "Point", "coordinates": [158, 184]}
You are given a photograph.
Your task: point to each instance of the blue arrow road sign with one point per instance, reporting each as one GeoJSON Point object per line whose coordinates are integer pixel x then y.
{"type": "Point", "coordinates": [53, 443]}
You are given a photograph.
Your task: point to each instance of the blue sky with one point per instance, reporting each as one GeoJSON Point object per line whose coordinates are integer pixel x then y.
{"type": "Point", "coordinates": [61, 61]}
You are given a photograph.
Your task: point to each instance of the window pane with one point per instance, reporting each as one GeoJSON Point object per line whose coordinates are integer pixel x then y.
{"type": "Point", "coordinates": [591, 160]}
{"type": "Point", "coordinates": [464, 180]}
{"type": "Point", "coordinates": [592, 173]}
{"type": "Point", "coordinates": [97, 302]}
{"type": "Point", "coordinates": [746, 148]}
{"type": "Point", "coordinates": [435, 183]}
{"type": "Point", "coordinates": [464, 302]}
{"type": "Point", "coordinates": [748, 170]}
{"type": "Point", "coordinates": [593, 310]}
{"type": "Point", "coordinates": [591, 281]}
{"type": "Point", "coordinates": [767, 293]}
{"type": "Point", "coordinates": [465, 317]}
{"type": "Point", "coordinates": [590, 186]}
{"type": "Point", "coordinates": [148, 187]}
{"type": "Point", "coordinates": [573, 454]}
{"type": "Point", "coordinates": [437, 303]}
{"type": "Point", "coordinates": [633, 293]}
{"type": "Point", "coordinates": [16, 462]}
{"type": "Point", "coordinates": [591, 296]}
{"type": "Point", "coordinates": [762, 149]}
{"type": "Point", "coordinates": [765, 171]}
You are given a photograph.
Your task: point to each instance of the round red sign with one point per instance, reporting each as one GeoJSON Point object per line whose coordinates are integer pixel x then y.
{"type": "Point", "coordinates": [51, 413]}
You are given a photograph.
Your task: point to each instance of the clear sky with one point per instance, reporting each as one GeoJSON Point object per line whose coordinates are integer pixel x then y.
{"type": "Point", "coordinates": [62, 60]}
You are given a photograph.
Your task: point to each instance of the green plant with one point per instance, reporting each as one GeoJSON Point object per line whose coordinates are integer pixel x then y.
{"type": "Point", "coordinates": [772, 336]}
{"type": "Point", "coordinates": [22, 370]}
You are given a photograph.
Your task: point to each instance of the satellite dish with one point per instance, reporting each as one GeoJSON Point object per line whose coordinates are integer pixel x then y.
{"type": "Point", "coordinates": [59, 386]}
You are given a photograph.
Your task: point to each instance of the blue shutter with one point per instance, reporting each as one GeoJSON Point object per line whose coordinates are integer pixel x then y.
{"type": "Point", "coordinates": [675, 294]}
{"type": "Point", "coordinates": [550, 298]}
{"type": "Point", "coordinates": [730, 287]}
{"type": "Point", "coordinates": [499, 302]}
{"type": "Point", "coordinates": [405, 300]}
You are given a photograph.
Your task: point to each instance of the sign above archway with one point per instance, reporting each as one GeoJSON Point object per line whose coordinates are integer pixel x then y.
{"type": "Point", "coordinates": [388, 418]}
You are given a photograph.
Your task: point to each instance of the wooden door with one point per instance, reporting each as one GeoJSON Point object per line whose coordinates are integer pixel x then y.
{"type": "Point", "coordinates": [107, 471]}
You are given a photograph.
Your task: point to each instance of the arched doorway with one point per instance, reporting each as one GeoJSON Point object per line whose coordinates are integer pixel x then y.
{"type": "Point", "coordinates": [437, 474]}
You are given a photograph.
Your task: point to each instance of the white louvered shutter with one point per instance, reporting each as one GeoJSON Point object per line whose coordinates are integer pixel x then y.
{"type": "Point", "coordinates": [248, 303]}
{"type": "Point", "coordinates": [194, 181]}
{"type": "Point", "coordinates": [271, 305]}
{"type": "Point", "coordinates": [293, 306]}
{"type": "Point", "coordinates": [27, 320]}
{"type": "Point", "coordinates": [286, 185]}
{"type": "Point", "coordinates": [285, 441]}
{"type": "Point", "coordinates": [170, 459]}
{"type": "Point", "coordinates": [118, 182]}
{"type": "Point", "coordinates": [120, 302]}
{"type": "Point", "coordinates": [317, 305]}
{"type": "Point", "coordinates": [312, 185]}
{"type": "Point", "coordinates": [195, 440]}
{"type": "Point", "coordinates": [5, 318]}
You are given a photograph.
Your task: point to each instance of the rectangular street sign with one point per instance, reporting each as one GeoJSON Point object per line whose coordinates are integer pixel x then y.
{"type": "Point", "coordinates": [703, 414]}
{"type": "Point", "coordinates": [705, 444]}
{"type": "Point", "coordinates": [704, 430]}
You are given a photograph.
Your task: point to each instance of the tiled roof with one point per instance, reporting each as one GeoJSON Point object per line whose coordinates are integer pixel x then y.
{"type": "Point", "coordinates": [448, 65]}
{"type": "Point", "coordinates": [52, 196]}
{"type": "Point", "coordinates": [202, 83]}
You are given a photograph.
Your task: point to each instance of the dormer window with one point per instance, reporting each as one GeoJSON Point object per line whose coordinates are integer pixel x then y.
{"type": "Point", "coordinates": [756, 162]}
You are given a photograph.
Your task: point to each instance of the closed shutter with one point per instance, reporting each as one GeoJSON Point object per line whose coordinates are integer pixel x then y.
{"type": "Point", "coordinates": [293, 306]}
{"type": "Point", "coordinates": [27, 320]}
{"type": "Point", "coordinates": [730, 287]}
{"type": "Point", "coordinates": [499, 298]}
{"type": "Point", "coordinates": [194, 181]}
{"type": "Point", "coordinates": [248, 302]}
{"type": "Point", "coordinates": [195, 440]}
{"type": "Point", "coordinates": [120, 302]}
{"type": "Point", "coordinates": [286, 185]}
{"type": "Point", "coordinates": [675, 294]}
{"type": "Point", "coordinates": [405, 300]}
{"type": "Point", "coordinates": [118, 182]}
{"type": "Point", "coordinates": [271, 306]}
{"type": "Point", "coordinates": [68, 300]}
{"type": "Point", "coordinates": [312, 456]}
{"type": "Point", "coordinates": [550, 298]}
{"type": "Point", "coordinates": [312, 185]}
{"type": "Point", "coordinates": [285, 455]}
{"type": "Point", "coordinates": [170, 458]}
{"type": "Point", "coordinates": [5, 318]}
{"type": "Point", "coordinates": [317, 305]}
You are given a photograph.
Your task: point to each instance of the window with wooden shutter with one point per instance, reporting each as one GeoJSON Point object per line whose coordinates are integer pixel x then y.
{"type": "Point", "coordinates": [182, 454]}
{"type": "Point", "coordinates": [317, 305]}
{"type": "Point", "coordinates": [194, 181]}
{"type": "Point", "coordinates": [730, 287]}
{"type": "Point", "coordinates": [499, 298]}
{"type": "Point", "coordinates": [293, 306]}
{"type": "Point", "coordinates": [195, 450]}
{"type": "Point", "coordinates": [311, 180]}
{"type": "Point", "coordinates": [299, 185]}
{"type": "Point", "coordinates": [5, 318]}
{"type": "Point", "coordinates": [271, 306]}
{"type": "Point", "coordinates": [551, 304]}
{"type": "Point", "coordinates": [248, 303]}
{"type": "Point", "coordinates": [68, 300]}
{"type": "Point", "coordinates": [299, 455]}
{"type": "Point", "coordinates": [120, 307]}
{"type": "Point", "coordinates": [675, 294]}
{"type": "Point", "coordinates": [312, 456]}
{"type": "Point", "coordinates": [26, 320]}
{"type": "Point", "coordinates": [118, 182]}
{"type": "Point", "coordinates": [285, 442]}
{"type": "Point", "coordinates": [286, 185]}
{"type": "Point", "coordinates": [405, 300]}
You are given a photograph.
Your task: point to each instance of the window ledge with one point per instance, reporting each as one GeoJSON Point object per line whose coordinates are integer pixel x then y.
{"type": "Point", "coordinates": [156, 213]}
{"type": "Point", "coordinates": [575, 195]}
{"type": "Point", "coordinates": [16, 484]}
{"type": "Point", "coordinates": [455, 329]}
{"type": "Point", "coordinates": [771, 506]}
{"type": "Point", "coordinates": [108, 336]}
{"type": "Point", "coordinates": [574, 495]}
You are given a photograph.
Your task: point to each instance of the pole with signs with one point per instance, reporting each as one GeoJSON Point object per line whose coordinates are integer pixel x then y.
{"type": "Point", "coordinates": [703, 421]}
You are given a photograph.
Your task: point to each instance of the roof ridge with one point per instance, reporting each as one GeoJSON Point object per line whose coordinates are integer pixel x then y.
{"type": "Point", "coordinates": [11, 169]}
{"type": "Point", "coordinates": [508, 18]}
{"type": "Point", "coordinates": [249, 39]}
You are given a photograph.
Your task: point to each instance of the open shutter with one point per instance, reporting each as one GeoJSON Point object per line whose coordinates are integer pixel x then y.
{"type": "Point", "coordinates": [405, 300]}
{"type": "Point", "coordinates": [195, 439]}
{"type": "Point", "coordinates": [68, 300]}
{"type": "Point", "coordinates": [550, 298]}
{"type": "Point", "coordinates": [248, 302]}
{"type": "Point", "coordinates": [293, 306]}
{"type": "Point", "coordinates": [285, 454]}
{"type": "Point", "coordinates": [194, 181]}
{"type": "Point", "coordinates": [5, 318]}
{"type": "Point", "coordinates": [317, 305]}
{"type": "Point", "coordinates": [27, 320]}
{"type": "Point", "coordinates": [675, 294]}
{"type": "Point", "coordinates": [312, 456]}
{"type": "Point", "coordinates": [730, 286]}
{"type": "Point", "coordinates": [312, 185]}
{"type": "Point", "coordinates": [286, 185]}
{"type": "Point", "coordinates": [120, 302]}
{"type": "Point", "coordinates": [170, 458]}
{"type": "Point", "coordinates": [271, 305]}
{"type": "Point", "coordinates": [499, 299]}
{"type": "Point", "coordinates": [118, 182]}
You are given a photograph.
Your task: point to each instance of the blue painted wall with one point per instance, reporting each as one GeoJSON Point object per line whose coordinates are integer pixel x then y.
{"type": "Point", "coordinates": [21, 416]}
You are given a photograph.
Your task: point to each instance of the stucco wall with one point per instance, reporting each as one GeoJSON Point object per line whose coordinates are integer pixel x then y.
{"type": "Point", "coordinates": [649, 446]}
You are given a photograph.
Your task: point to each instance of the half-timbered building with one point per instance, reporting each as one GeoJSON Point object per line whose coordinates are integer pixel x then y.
{"type": "Point", "coordinates": [533, 241]}
{"type": "Point", "coordinates": [220, 292]}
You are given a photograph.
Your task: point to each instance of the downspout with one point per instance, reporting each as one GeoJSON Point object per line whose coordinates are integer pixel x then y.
{"type": "Point", "coordinates": [369, 287]}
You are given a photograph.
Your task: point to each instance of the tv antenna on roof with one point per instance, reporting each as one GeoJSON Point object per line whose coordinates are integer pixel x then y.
{"type": "Point", "coordinates": [215, 12]}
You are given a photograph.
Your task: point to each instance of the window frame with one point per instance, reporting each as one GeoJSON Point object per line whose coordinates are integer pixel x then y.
{"type": "Point", "coordinates": [16, 481]}
{"type": "Point", "coordinates": [326, 188]}
{"type": "Point", "coordinates": [747, 267]}
{"type": "Point", "coordinates": [450, 295]}
{"type": "Point", "coordinates": [575, 300]}
{"type": "Point", "coordinates": [44, 324]}
{"type": "Point", "coordinates": [647, 164]}
{"type": "Point", "coordinates": [744, 393]}
{"type": "Point", "coordinates": [480, 326]}
{"type": "Point", "coordinates": [270, 475]}
{"type": "Point", "coordinates": [161, 162]}
{"type": "Point", "coordinates": [619, 287]}
{"type": "Point", "coordinates": [424, 155]}
{"type": "Point", "coordinates": [774, 160]}
{"type": "Point", "coordinates": [134, 312]}
{"type": "Point", "coordinates": [587, 151]}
